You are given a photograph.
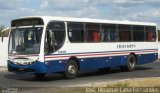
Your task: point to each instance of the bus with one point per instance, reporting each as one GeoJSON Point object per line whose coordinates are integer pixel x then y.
{"type": "Point", "coordinates": [41, 45]}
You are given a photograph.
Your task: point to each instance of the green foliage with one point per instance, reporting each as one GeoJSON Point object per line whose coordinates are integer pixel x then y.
{"type": "Point", "coordinates": [120, 84]}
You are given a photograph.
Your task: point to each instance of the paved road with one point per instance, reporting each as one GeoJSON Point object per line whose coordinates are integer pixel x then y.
{"type": "Point", "coordinates": [56, 80]}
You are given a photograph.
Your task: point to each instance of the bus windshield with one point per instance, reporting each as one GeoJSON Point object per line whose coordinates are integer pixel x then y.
{"type": "Point", "coordinates": [25, 40]}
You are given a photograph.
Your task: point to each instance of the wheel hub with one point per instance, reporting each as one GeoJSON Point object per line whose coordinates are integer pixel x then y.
{"type": "Point", "coordinates": [132, 62]}
{"type": "Point", "coordinates": [71, 69]}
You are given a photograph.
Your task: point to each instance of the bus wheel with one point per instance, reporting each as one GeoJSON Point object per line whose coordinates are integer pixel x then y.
{"type": "Point", "coordinates": [71, 69]}
{"type": "Point", "coordinates": [131, 63]}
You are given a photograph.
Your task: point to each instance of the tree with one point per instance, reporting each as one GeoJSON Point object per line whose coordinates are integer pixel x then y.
{"type": "Point", "coordinates": [1, 28]}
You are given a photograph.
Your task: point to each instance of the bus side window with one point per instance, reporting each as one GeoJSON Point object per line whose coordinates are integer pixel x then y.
{"type": "Point", "coordinates": [92, 32]}
{"type": "Point", "coordinates": [49, 48]}
{"type": "Point", "coordinates": [106, 35]}
{"type": "Point", "coordinates": [113, 35]}
{"type": "Point", "coordinates": [96, 36]}
{"type": "Point", "coordinates": [75, 32]}
{"type": "Point", "coordinates": [124, 33]}
{"type": "Point", "coordinates": [55, 36]}
{"type": "Point", "coordinates": [150, 34]}
{"type": "Point", "coordinates": [138, 33]}
{"type": "Point", "coordinates": [109, 33]}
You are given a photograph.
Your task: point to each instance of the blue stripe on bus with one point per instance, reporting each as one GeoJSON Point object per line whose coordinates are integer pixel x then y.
{"type": "Point", "coordinates": [87, 63]}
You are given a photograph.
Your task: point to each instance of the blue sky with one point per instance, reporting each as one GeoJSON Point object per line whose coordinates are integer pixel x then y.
{"type": "Point", "coordinates": [134, 10]}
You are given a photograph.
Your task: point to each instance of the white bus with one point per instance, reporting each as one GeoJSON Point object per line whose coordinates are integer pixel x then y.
{"type": "Point", "coordinates": [45, 44]}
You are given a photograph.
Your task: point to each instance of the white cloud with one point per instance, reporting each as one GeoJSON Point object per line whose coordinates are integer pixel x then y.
{"type": "Point", "coordinates": [67, 5]}
{"type": "Point", "coordinates": [145, 10]}
{"type": "Point", "coordinates": [89, 11]}
{"type": "Point", "coordinates": [130, 1]}
{"type": "Point", "coordinates": [5, 5]}
{"type": "Point", "coordinates": [85, 1]}
{"type": "Point", "coordinates": [127, 3]}
{"type": "Point", "coordinates": [148, 15]}
{"type": "Point", "coordinates": [72, 8]}
{"type": "Point", "coordinates": [44, 4]}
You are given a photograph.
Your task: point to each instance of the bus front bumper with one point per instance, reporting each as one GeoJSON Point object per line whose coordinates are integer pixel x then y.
{"type": "Point", "coordinates": [36, 67]}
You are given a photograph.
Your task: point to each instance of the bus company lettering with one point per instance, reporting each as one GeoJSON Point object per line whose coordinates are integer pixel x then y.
{"type": "Point", "coordinates": [126, 46]}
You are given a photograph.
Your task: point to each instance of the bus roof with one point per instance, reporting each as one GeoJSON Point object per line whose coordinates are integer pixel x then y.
{"type": "Point", "coordinates": [72, 19]}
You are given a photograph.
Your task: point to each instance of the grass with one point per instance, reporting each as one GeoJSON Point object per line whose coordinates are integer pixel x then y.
{"type": "Point", "coordinates": [142, 82]}
{"type": "Point", "coordinates": [124, 84]}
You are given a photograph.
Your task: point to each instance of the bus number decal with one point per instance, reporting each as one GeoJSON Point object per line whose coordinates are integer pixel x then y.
{"type": "Point", "coordinates": [62, 52]}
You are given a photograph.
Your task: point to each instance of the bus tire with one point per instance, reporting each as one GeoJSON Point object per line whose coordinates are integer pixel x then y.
{"type": "Point", "coordinates": [71, 69]}
{"type": "Point", "coordinates": [131, 63]}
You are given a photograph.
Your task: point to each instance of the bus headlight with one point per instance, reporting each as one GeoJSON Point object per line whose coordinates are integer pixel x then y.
{"type": "Point", "coordinates": [22, 62]}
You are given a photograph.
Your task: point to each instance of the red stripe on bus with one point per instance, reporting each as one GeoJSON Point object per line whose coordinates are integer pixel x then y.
{"type": "Point", "coordinates": [80, 55]}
